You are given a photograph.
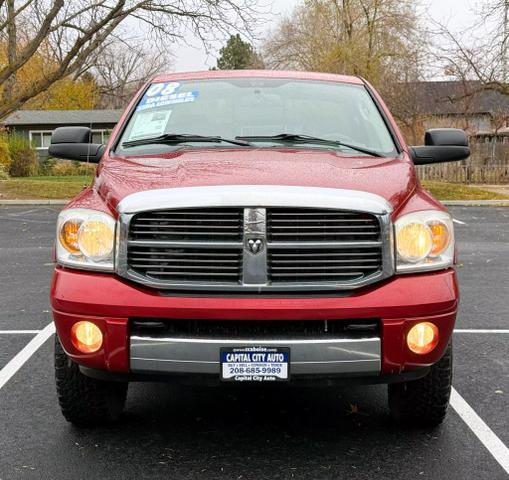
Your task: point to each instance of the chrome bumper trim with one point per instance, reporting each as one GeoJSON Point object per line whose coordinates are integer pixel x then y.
{"type": "Point", "coordinates": [307, 357]}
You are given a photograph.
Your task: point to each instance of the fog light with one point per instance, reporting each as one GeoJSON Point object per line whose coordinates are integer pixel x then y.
{"type": "Point", "coordinates": [86, 337]}
{"type": "Point", "coordinates": [422, 338]}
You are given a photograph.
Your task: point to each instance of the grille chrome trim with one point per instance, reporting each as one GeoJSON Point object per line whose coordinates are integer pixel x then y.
{"type": "Point", "coordinates": [255, 247]}
{"type": "Point", "coordinates": [254, 278]}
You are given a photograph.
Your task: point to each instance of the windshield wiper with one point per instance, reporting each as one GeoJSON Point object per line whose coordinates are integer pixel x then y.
{"type": "Point", "coordinates": [176, 138]}
{"type": "Point", "coordinates": [295, 138]}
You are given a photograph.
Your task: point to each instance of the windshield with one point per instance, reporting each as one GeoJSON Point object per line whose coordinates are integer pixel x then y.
{"type": "Point", "coordinates": [257, 108]}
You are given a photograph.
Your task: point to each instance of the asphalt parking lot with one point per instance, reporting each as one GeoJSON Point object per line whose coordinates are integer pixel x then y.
{"type": "Point", "coordinates": [179, 432]}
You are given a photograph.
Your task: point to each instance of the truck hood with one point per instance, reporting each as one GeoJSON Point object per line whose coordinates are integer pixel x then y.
{"type": "Point", "coordinates": [392, 178]}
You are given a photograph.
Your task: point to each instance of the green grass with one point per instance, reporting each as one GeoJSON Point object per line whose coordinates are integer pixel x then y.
{"type": "Point", "coordinates": [60, 178]}
{"type": "Point", "coordinates": [458, 191]}
{"type": "Point", "coordinates": [51, 187]}
{"type": "Point", "coordinates": [62, 187]}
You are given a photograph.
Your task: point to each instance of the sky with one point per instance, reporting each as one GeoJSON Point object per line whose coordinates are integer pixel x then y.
{"type": "Point", "coordinates": [457, 14]}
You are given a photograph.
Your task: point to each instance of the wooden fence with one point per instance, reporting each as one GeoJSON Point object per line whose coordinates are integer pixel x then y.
{"type": "Point", "coordinates": [488, 164]}
{"type": "Point", "coordinates": [454, 173]}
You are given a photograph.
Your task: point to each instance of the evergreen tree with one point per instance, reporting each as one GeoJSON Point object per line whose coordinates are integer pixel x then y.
{"type": "Point", "coordinates": [238, 55]}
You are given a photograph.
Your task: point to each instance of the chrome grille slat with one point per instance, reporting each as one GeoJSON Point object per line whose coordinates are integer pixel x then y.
{"type": "Point", "coordinates": [324, 245]}
{"type": "Point", "coordinates": [301, 221]}
{"type": "Point", "coordinates": [320, 269]}
{"type": "Point", "coordinates": [181, 232]}
{"type": "Point", "coordinates": [163, 266]}
{"type": "Point", "coordinates": [176, 244]}
{"type": "Point", "coordinates": [328, 255]}
{"type": "Point", "coordinates": [188, 214]}
{"type": "Point", "coordinates": [329, 227]}
{"type": "Point", "coordinates": [308, 214]}
{"type": "Point", "coordinates": [322, 234]}
{"type": "Point", "coordinates": [179, 255]}
{"type": "Point", "coordinates": [329, 274]}
{"type": "Point", "coordinates": [182, 225]}
{"type": "Point", "coordinates": [135, 260]}
{"type": "Point", "coordinates": [190, 274]}
{"type": "Point", "coordinates": [375, 261]}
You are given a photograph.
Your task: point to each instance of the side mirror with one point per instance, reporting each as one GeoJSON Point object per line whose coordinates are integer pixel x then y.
{"type": "Point", "coordinates": [441, 145]}
{"type": "Point", "coordinates": [74, 143]}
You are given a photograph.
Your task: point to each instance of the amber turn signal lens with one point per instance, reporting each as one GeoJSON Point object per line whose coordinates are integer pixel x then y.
{"type": "Point", "coordinates": [441, 237]}
{"type": "Point", "coordinates": [422, 338]}
{"type": "Point", "coordinates": [68, 235]}
{"type": "Point", "coordinates": [86, 337]}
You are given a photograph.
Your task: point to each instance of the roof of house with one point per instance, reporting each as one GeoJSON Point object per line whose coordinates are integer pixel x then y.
{"type": "Point", "coordinates": [62, 117]}
{"type": "Point", "coordinates": [457, 98]}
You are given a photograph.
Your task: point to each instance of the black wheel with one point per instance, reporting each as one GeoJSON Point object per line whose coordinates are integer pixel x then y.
{"type": "Point", "coordinates": [423, 402]}
{"type": "Point", "coordinates": [85, 401]}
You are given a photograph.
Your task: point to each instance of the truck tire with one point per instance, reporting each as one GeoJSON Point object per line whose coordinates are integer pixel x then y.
{"type": "Point", "coordinates": [423, 402]}
{"type": "Point", "coordinates": [85, 401]}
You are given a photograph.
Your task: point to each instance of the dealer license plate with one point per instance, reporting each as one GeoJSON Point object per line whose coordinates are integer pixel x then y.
{"type": "Point", "coordinates": [255, 364]}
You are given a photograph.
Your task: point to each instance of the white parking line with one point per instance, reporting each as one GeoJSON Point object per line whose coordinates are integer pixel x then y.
{"type": "Point", "coordinates": [480, 330]}
{"type": "Point", "coordinates": [18, 332]}
{"type": "Point", "coordinates": [484, 433]}
{"type": "Point", "coordinates": [458, 222]}
{"type": "Point", "coordinates": [481, 430]}
{"type": "Point", "coordinates": [19, 360]}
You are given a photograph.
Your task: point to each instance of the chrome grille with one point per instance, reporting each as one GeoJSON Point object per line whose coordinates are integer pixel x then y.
{"type": "Point", "coordinates": [340, 246]}
{"type": "Point", "coordinates": [185, 246]}
{"type": "Point", "coordinates": [251, 248]}
{"type": "Point", "coordinates": [326, 265]}
{"type": "Point", "coordinates": [188, 225]}
{"type": "Point", "coordinates": [301, 224]}
{"type": "Point", "coordinates": [186, 264]}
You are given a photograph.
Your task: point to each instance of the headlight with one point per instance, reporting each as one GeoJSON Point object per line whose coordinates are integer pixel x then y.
{"type": "Point", "coordinates": [424, 241]}
{"type": "Point", "coordinates": [85, 239]}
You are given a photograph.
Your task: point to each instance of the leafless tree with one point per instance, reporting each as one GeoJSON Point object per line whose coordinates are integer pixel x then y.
{"type": "Point", "coordinates": [120, 70]}
{"type": "Point", "coordinates": [478, 52]}
{"type": "Point", "coordinates": [72, 33]}
{"type": "Point", "coordinates": [360, 37]}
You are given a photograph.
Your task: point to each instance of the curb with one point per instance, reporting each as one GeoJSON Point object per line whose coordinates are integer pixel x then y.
{"type": "Point", "coordinates": [34, 202]}
{"type": "Point", "coordinates": [476, 203]}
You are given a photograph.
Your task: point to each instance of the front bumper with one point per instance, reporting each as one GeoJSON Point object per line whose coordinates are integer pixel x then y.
{"type": "Point", "coordinates": [397, 304]}
{"type": "Point", "coordinates": [337, 356]}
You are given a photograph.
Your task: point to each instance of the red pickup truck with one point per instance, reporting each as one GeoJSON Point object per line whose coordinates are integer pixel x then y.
{"type": "Point", "coordinates": [255, 227]}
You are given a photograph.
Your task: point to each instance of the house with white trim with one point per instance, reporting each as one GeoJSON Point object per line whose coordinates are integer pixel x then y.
{"type": "Point", "coordinates": [38, 125]}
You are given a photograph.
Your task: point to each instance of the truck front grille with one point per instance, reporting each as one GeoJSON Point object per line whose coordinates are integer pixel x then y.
{"type": "Point", "coordinates": [175, 246]}
{"type": "Point", "coordinates": [210, 225]}
{"type": "Point", "coordinates": [323, 264]}
{"type": "Point", "coordinates": [314, 225]}
{"type": "Point", "coordinates": [254, 249]}
{"type": "Point", "coordinates": [187, 264]}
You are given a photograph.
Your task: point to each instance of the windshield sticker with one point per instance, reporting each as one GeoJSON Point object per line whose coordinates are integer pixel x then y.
{"type": "Point", "coordinates": [149, 124]}
{"type": "Point", "coordinates": [163, 94]}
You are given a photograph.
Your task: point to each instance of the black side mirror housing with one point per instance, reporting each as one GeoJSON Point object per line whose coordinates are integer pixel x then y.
{"type": "Point", "coordinates": [441, 145]}
{"type": "Point", "coordinates": [74, 143]}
